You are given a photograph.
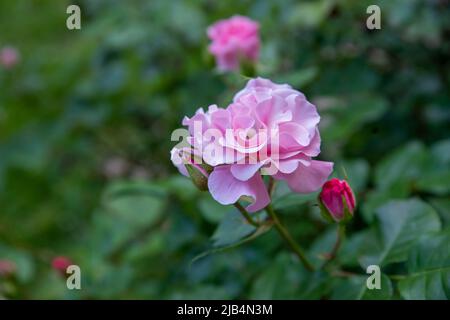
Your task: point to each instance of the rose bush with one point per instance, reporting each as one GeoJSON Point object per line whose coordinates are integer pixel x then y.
{"type": "Point", "coordinates": [85, 122]}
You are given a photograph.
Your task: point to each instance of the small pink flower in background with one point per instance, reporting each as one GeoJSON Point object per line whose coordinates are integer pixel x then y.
{"type": "Point", "coordinates": [268, 128]}
{"type": "Point", "coordinates": [337, 199]}
{"type": "Point", "coordinates": [7, 268]}
{"type": "Point", "coordinates": [9, 57]}
{"type": "Point", "coordinates": [60, 264]}
{"type": "Point", "coordinates": [115, 167]}
{"type": "Point", "coordinates": [234, 39]}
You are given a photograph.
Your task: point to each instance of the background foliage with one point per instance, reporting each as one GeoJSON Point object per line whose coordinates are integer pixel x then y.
{"type": "Point", "coordinates": [85, 123]}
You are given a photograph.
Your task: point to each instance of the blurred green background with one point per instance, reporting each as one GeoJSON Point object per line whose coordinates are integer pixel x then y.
{"type": "Point", "coordinates": [85, 123]}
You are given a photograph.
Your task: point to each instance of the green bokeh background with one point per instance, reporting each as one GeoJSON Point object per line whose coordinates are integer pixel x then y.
{"type": "Point", "coordinates": [85, 124]}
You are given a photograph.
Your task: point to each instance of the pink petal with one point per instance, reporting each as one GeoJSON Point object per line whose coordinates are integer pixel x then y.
{"type": "Point", "coordinates": [272, 111]}
{"type": "Point", "coordinates": [178, 161]}
{"type": "Point", "coordinates": [290, 165]}
{"type": "Point", "coordinates": [244, 172]}
{"type": "Point", "coordinates": [226, 189]}
{"type": "Point", "coordinates": [333, 204]}
{"type": "Point", "coordinates": [243, 122]}
{"type": "Point", "coordinates": [310, 178]}
{"type": "Point", "coordinates": [293, 135]}
{"type": "Point", "coordinates": [305, 113]}
{"type": "Point", "coordinates": [221, 119]}
{"type": "Point", "coordinates": [313, 149]}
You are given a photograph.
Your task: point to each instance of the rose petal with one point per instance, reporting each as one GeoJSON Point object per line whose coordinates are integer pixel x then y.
{"type": "Point", "coordinates": [226, 189]}
{"type": "Point", "coordinates": [308, 179]}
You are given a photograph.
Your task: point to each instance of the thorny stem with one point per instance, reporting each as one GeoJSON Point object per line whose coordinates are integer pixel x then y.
{"type": "Point", "coordinates": [246, 215]}
{"type": "Point", "coordinates": [288, 238]}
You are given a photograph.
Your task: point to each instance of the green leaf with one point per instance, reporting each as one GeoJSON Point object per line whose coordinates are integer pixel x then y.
{"type": "Point", "coordinates": [271, 283]}
{"type": "Point", "coordinates": [437, 182]}
{"type": "Point", "coordinates": [355, 287]}
{"type": "Point", "coordinates": [401, 167]}
{"type": "Point", "coordinates": [202, 292]}
{"type": "Point", "coordinates": [258, 232]}
{"type": "Point", "coordinates": [135, 203]}
{"type": "Point", "coordinates": [182, 187]}
{"type": "Point", "coordinates": [211, 210]}
{"type": "Point", "coordinates": [397, 175]}
{"type": "Point", "coordinates": [441, 152]}
{"type": "Point", "coordinates": [129, 209]}
{"type": "Point", "coordinates": [428, 269]}
{"type": "Point", "coordinates": [284, 198]}
{"type": "Point", "coordinates": [356, 246]}
{"type": "Point", "coordinates": [357, 171]}
{"type": "Point", "coordinates": [299, 78]}
{"type": "Point", "coordinates": [322, 245]}
{"type": "Point", "coordinates": [377, 198]}
{"type": "Point", "coordinates": [231, 229]}
{"type": "Point", "coordinates": [400, 223]}
{"type": "Point", "coordinates": [414, 167]}
{"type": "Point", "coordinates": [442, 206]}
{"type": "Point", "coordinates": [435, 177]}
{"type": "Point", "coordinates": [310, 14]}
{"type": "Point", "coordinates": [347, 116]}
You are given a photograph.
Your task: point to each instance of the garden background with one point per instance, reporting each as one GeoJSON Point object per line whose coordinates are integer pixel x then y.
{"type": "Point", "coordinates": [85, 123]}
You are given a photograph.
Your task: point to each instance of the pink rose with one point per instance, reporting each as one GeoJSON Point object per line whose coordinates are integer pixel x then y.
{"type": "Point", "coordinates": [337, 199]}
{"type": "Point", "coordinates": [9, 57]}
{"type": "Point", "coordinates": [233, 39]}
{"type": "Point", "coordinates": [60, 264]}
{"type": "Point", "coordinates": [268, 129]}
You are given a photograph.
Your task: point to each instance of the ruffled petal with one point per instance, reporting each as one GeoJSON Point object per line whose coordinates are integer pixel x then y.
{"type": "Point", "coordinates": [244, 172]}
{"type": "Point", "coordinates": [226, 189]}
{"type": "Point", "coordinates": [306, 179]}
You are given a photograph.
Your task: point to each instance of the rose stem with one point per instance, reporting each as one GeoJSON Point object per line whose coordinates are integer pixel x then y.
{"type": "Point", "coordinates": [288, 238]}
{"type": "Point", "coordinates": [246, 215]}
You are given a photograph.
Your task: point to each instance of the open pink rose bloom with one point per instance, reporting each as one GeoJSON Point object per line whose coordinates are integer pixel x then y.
{"type": "Point", "coordinates": [268, 129]}
{"type": "Point", "coordinates": [232, 40]}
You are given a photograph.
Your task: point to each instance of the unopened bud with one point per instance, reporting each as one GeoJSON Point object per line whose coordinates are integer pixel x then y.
{"type": "Point", "coordinates": [60, 264]}
{"type": "Point", "coordinates": [198, 175]}
{"type": "Point", "coordinates": [337, 201]}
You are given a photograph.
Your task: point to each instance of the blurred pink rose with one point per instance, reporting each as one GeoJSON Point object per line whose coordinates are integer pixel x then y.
{"type": "Point", "coordinates": [7, 268]}
{"type": "Point", "coordinates": [9, 57]}
{"type": "Point", "coordinates": [234, 39]}
{"type": "Point", "coordinates": [337, 199]}
{"type": "Point", "coordinates": [60, 264]}
{"type": "Point", "coordinates": [269, 128]}
{"type": "Point", "coordinates": [115, 167]}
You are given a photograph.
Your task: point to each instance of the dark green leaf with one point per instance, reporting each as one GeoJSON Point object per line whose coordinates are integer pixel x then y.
{"type": "Point", "coordinates": [428, 269]}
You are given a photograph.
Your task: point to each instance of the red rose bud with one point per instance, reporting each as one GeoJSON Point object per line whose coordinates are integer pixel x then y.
{"type": "Point", "coordinates": [337, 200]}
{"type": "Point", "coordinates": [60, 264]}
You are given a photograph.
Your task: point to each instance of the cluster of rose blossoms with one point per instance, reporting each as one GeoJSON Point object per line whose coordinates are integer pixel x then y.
{"type": "Point", "coordinates": [268, 129]}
